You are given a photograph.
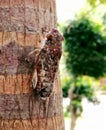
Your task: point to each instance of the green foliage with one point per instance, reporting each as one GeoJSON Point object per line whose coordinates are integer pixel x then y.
{"type": "Point", "coordinates": [85, 48]}
{"type": "Point", "coordinates": [104, 19]}
{"type": "Point", "coordinates": [84, 91]}
{"type": "Point", "coordinates": [93, 3]}
{"type": "Point", "coordinates": [66, 84]}
{"type": "Point", "coordinates": [103, 88]}
{"type": "Point", "coordinates": [104, 23]}
{"type": "Point", "coordinates": [81, 91]}
{"type": "Point", "coordinates": [77, 107]}
{"type": "Point", "coordinates": [85, 52]}
{"type": "Point", "coordinates": [66, 111]}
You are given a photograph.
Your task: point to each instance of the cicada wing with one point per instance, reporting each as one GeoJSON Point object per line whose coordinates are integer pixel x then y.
{"type": "Point", "coordinates": [34, 79]}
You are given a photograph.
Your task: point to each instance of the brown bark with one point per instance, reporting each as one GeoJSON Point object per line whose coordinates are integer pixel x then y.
{"type": "Point", "coordinates": [21, 31]}
{"type": "Point", "coordinates": [74, 117]}
{"type": "Point", "coordinates": [73, 121]}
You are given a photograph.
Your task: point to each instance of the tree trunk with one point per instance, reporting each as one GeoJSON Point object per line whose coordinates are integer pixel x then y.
{"type": "Point", "coordinates": [22, 25]}
{"type": "Point", "coordinates": [72, 111]}
{"type": "Point", "coordinates": [73, 120]}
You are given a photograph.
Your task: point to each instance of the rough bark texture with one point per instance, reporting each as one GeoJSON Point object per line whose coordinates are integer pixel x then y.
{"type": "Point", "coordinates": [21, 30]}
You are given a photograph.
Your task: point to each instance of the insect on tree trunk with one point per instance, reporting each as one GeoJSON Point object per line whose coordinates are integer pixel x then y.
{"type": "Point", "coordinates": [22, 25]}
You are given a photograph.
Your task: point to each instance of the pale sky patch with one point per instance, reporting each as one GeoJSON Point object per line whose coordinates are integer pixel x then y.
{"type": "Point", "coordinates": [66, 9]}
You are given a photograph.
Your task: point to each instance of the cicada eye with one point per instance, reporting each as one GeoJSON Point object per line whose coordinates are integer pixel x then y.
{"type": "Point", "coordinates": [49, 36]}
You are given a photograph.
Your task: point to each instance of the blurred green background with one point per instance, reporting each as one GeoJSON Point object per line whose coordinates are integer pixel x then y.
{"type": "Point", "coordinates": [83, 63]}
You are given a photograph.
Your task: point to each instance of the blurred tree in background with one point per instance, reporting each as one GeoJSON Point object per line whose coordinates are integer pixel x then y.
{"type": "Point", "coordinates": [85, 48]}
{"type": "Point", "coordinates": [93, 3]}
{"type": "Point", "coordinates": [85, 54]}
{"type": "Point", "coordinates": [66, 83]}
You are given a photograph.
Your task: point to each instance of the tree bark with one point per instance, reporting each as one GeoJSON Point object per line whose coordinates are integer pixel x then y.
{"type": "Point", "coordinates": [73, 121]}
{"type": "Point", "coordinates": [22, 25]}
{"type": "Point", "coordinates": [72, 111]}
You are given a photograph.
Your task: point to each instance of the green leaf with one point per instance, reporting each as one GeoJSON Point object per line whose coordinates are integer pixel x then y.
{"type": "Point", "coordinates": [103, 1]}
{"type": "Point", "coordinates": [92, 2]}
{"type": "Point", "coordinates": [85, 47]}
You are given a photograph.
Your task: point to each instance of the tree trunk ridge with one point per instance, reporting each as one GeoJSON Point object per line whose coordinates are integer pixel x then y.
{"type": "Point", "coordinates": [21, 31]}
